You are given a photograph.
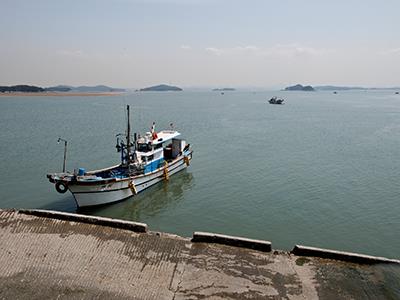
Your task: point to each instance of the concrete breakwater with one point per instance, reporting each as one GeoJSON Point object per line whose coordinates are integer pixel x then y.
{"type": "Point", "coordinates": [76, 256]}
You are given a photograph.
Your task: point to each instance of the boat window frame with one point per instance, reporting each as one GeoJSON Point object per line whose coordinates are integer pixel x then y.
{"type": "Point", "coordinates": [148, 147]}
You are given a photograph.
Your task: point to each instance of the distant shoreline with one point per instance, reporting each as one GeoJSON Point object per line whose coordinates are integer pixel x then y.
{"type": "Point", "coordinates": [59, 94]}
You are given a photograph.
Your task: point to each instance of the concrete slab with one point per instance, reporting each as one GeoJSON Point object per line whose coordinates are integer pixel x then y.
{"type": "Point", "coordinates": [42, 257]}
{"type": "Point", "coordinates": [301, 250]}
{"type": "Point", "coordinates": [122, 224]}
{"type": "Point", "coordinates": [208, 237]}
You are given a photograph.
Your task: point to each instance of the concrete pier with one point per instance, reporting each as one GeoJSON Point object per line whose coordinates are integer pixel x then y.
{"type": "Point", "coordinates": [207, 237]}
{"type": "Point", "coordinates": [43, 255]}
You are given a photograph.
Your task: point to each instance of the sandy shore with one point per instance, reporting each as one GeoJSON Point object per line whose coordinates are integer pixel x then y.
{"type": "Point", "coordinates": [58, 94]}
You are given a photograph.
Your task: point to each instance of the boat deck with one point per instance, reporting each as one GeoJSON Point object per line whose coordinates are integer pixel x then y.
{"type": "Point", "coordinates": [58, 256]}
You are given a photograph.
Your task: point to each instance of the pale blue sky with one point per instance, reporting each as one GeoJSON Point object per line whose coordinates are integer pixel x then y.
{"type": "Point", "coordinates": [135, 43]}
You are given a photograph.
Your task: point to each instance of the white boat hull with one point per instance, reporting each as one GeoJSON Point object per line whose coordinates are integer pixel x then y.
{"type": "Point", "coordinates": [105, 193]}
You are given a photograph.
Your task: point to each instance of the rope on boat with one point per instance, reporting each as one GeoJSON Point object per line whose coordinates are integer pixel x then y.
{"type": "Point", "coordinates": [166, 174]}
{"type": "Point", "coordinates": [131, 185]}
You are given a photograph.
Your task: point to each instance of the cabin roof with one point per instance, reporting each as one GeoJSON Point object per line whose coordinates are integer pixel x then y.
{"type": "Point", "coordinates": [165, 135]}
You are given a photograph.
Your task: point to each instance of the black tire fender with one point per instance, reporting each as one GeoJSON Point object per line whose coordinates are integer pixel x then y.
{"type": "Point", "coordinates": [61, 187]}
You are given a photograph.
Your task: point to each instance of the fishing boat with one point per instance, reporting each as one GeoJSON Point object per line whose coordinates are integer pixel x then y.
{"type": "Point", "coordinates": [275, 100]}
{"type": "Point", "coordinates": [145, 161]}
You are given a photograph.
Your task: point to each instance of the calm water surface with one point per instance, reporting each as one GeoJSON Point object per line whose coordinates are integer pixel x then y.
{"type": "Point", "coordinates": [322, 170]}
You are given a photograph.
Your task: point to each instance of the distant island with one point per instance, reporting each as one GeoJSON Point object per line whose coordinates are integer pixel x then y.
{"type": "Point", "coordinates": [349, 88]}
{"type": "Point", "coordinates": [92, 89]}
{"type": "Point", "coordinates": [161, 88]}
{"type": "Point", "coordinates": [224, 90]}
{"type": "Point", "coordinates": [299, 87]}
{"type": "Point", "coordinates": [21, 88]}
{"type": "Point", "coordinates": [58, 88]}
{"type": "Point", "coordinates": [337, 88]}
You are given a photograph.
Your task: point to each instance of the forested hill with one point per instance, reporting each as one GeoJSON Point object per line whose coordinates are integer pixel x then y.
{"type": "Point", "coordinates": [58, 88]}
{"type": "Point", "coordinates": [21, 88]}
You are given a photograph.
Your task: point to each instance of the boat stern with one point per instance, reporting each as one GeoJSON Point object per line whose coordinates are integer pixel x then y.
{"type": "Point", "coordinates": [61, 181]}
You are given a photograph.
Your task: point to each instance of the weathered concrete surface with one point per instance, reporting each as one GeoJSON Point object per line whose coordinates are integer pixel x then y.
{"type": "Point", "coordinates": [43, 258]}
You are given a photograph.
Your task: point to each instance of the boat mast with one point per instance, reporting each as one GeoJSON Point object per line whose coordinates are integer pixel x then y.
{"type": "Point", "coordinates": [128, 138]}
{"type": "Point", "coordinates": [65, 151]}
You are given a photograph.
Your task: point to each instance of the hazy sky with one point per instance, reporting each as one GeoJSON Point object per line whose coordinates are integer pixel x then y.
{"type": "Point", "coordinates": [136, 43]}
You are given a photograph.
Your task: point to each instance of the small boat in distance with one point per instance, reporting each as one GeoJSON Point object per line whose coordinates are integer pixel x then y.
{"type": "Point", "coordinates": [275, 100]}
{"type": "Point", "coordinates": [145, 161]}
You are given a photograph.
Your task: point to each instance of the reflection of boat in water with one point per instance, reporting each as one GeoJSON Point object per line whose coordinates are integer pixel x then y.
{"type": "Point", "coordinates": [159, 198]}
{"type": "Point", "coordinates": [144, 162]}
{"type": "Point", "coordinates": [275, 100]}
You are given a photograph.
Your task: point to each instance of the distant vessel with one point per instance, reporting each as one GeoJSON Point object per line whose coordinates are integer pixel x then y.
{"type": "Point", "coordinates": [397, 93]}
{"type": "Point", "coordinates": [275, 100]}
{"type": "Point", "coordinates": [146, 161]}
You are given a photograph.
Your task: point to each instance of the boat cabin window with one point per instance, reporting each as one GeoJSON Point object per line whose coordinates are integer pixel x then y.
{"type": "Point", "coordinates": [147, 158]}
{"type": "Point", "coordinates": [144, 147]}
{"type": "Point", "coordinates": [158, 146]}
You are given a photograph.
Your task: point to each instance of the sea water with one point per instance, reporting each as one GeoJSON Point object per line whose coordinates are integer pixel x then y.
{"type": "Point", "coordinates": [321, 170]}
